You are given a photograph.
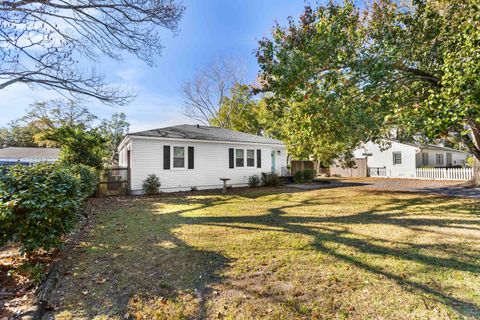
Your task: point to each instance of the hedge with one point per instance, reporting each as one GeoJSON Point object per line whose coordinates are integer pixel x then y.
{"type": "Point", "coordinates": [39, 204]}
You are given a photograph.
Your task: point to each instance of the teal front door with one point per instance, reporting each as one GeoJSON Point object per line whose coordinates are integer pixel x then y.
{"type": "Point", "coordinates": [273, 162]}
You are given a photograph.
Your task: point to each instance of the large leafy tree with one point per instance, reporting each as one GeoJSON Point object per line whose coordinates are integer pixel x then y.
{"type": "Point", "coordinates": [17, 135]}
{"type": "Point", "coordinates": [43, 117]}
{"type": "Point", "coordinates": [113, 131]}
{"type": "Point", "coordinates": [70, 126]}
{"type": "Point", "coordinates": [341, 75]}
{"type": "Point", "coordinates": [42, 42]}
{"type": "Point", "coordinates": [79, 145]}
{"type": "Point", "coordinates": [239, 111]}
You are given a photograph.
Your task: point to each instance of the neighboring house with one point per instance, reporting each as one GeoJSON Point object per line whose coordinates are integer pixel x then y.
{"type": "Point", "coordinates": [401, 159]}
{"type": "Point", "coordinates": [193, 156]}
{"type": "Point", "coordinates": [14, 155]}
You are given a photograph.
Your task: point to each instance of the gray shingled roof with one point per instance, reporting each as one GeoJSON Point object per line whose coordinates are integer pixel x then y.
{"type": "Point", "coordinates": [17, 153]}
{"type": "Point", "coordinates": [428, 146]}
{"type": "Point", "coordinates": [186, 131]}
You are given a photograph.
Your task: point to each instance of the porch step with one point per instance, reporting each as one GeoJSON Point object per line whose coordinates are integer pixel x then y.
{"type": "Point", "coordinates": [286, 179]}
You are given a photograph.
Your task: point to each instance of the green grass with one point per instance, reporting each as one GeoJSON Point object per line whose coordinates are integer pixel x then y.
{"type": "Point", "coordinates": [342, 253]}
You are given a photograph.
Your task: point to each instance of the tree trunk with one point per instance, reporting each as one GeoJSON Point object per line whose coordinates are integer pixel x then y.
{"type": "Point", "coordinates": [476, 172]}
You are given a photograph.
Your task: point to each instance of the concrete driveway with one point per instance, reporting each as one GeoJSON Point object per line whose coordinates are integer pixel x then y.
{"type": "Point", "coordinates": [448, 188]}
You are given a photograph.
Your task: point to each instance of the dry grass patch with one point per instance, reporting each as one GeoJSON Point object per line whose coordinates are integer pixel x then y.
{"type": "Point", "coordinates": [331, 253]}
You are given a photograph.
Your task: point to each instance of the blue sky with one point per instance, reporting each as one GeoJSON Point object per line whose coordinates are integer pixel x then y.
{"type": "Point", "coordinates": [210, 29]}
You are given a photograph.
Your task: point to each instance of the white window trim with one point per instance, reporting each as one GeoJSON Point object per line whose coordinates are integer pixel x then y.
{"type": "Point", "coordinates": [246, 158]}
{"type": "Point", "coordinates": [441, 157]}
{"type": "Point", "coordinates": [428, 158]}
{"type": "Point", "coordinates": [393, 158]}
{"type": "Point", "coordinates": [185, 156]}
{"type": "Point", "coordinates": [245, 167]}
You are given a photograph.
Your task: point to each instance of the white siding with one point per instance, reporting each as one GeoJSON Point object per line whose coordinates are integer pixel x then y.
{"type": "Point", "coordinates": [457, 158]}
{"type": "Point", "coordinates": [122, 156]}
{"type": "Point", "coordinates": [411, 158]}
{"type": "Point", "coordinates": [211, 163]}
{"type": "Point", "coordinates": [384, 159]}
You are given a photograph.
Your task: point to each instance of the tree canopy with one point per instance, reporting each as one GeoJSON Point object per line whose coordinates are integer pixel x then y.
{"type": "Point", "coordinates": [239, 111]}
{"type": "Point", "coordinates": [342, 75]}
{"type": "Point", "coordinates": [70, 126]}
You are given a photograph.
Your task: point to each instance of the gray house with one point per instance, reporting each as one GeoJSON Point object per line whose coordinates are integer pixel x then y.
{"type": "Point", "coordinates": [14, 155]}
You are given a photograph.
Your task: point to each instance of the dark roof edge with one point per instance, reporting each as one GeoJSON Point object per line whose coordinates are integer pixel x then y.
{"type": "Point", "coordinates": [207, 140]}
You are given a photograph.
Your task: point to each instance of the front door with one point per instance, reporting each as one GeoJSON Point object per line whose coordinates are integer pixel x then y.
{"type": "Point", "coordinates": [273, 162]}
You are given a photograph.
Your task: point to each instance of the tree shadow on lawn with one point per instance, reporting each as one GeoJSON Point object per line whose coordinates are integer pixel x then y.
{"type": "Point", "coordinates": [392, 214]}
{"type": "Point", "coordinates": [145, 263]}
{"type": "Point", "coordinates": [132, 264]}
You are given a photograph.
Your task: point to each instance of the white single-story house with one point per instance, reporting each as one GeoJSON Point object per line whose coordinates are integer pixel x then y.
{"type": "Point", "coordinates": [194, 156]}
{"type": "Point", "coordinates": [402, 159]}
{"type": "Point", "coordinates": [14, 155]}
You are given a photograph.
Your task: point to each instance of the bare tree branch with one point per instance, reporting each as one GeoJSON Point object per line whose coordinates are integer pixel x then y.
{"type": "Point", "coordinates": [42, 41]}
{"type": "Point", "coordinates": [205, 94]}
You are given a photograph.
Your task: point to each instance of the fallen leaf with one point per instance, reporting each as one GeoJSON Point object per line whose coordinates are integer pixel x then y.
{"type": "Point", "coordinates": [100, 280]}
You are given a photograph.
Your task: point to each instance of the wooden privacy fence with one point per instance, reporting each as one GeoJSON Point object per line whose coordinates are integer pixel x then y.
{"type": "Point", "coordinates": [300, 165]}
{"type": "Point", "coordinates": [444, 174]}
{"type": "Point", "coordinates": [358, 171]}
{"type": "Point", "coordinates": [113, 181]}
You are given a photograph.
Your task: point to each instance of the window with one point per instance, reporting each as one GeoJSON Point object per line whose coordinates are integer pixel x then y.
{"type": "Point", "coordinates": [439, 159]}
{"type": "Point", "coordinates": [425, 158]}
{"type": "Point", "coordinates": [179, 157]}
{"type": "Point", "coordinates": [397, 158]}
{"type": "Point", "coordinates": [250, 158]}
{"type": "Point", "coordinates": [239, 158]}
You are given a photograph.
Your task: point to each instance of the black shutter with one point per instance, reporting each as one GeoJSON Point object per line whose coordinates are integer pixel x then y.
{"type": "Point", "coordinates": [259, 158]}
{"type": "Point", "coordinates": [191, 160]}
{"type": "Point", "coordinates": [166, 157]}
{"type": "Point", "coordinates": [231, 160]}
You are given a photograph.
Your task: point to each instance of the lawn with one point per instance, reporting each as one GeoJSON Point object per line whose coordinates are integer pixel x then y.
{"type": "Point", "coordinates": [341, 253]}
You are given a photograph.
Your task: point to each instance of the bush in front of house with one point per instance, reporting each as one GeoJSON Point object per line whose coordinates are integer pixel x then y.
{"type": "Point", "coordinates": [88, 177]}
{"type": "Point", "coordinates": [308, 175]}
{"type": "Point", "coordinates": [39, 204]}
{"type": "Point", "coordinates": [253, 181]}
{"type": "Point", "coordinates": [270, 179]}
{"type": "Point", "coordinates": [151, 185]}
{"type": "Point", "coordinates": [298, 177]}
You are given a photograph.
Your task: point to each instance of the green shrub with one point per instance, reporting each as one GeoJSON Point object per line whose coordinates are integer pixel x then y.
{"type": "Point", "coordinates": [253, 181]}
{"type": "Point", "coordinates": [298, 177]}
{"type": "Point", "coordinates": [308, 175]}
{"type": "Point", "coordinates": [270, 179]}
{"type": "Point", "coordinates": [88, 177]}
{"type": "Point", "coordinates": [38, 205]}
{"type": "Point", "coordinates": [151, 185]}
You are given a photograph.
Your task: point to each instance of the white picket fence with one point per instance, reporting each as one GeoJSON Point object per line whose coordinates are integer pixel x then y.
{"type": "Point", "coordinates": [444, 173]}
{"type": "Point", "coordinates": [377, 172]}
